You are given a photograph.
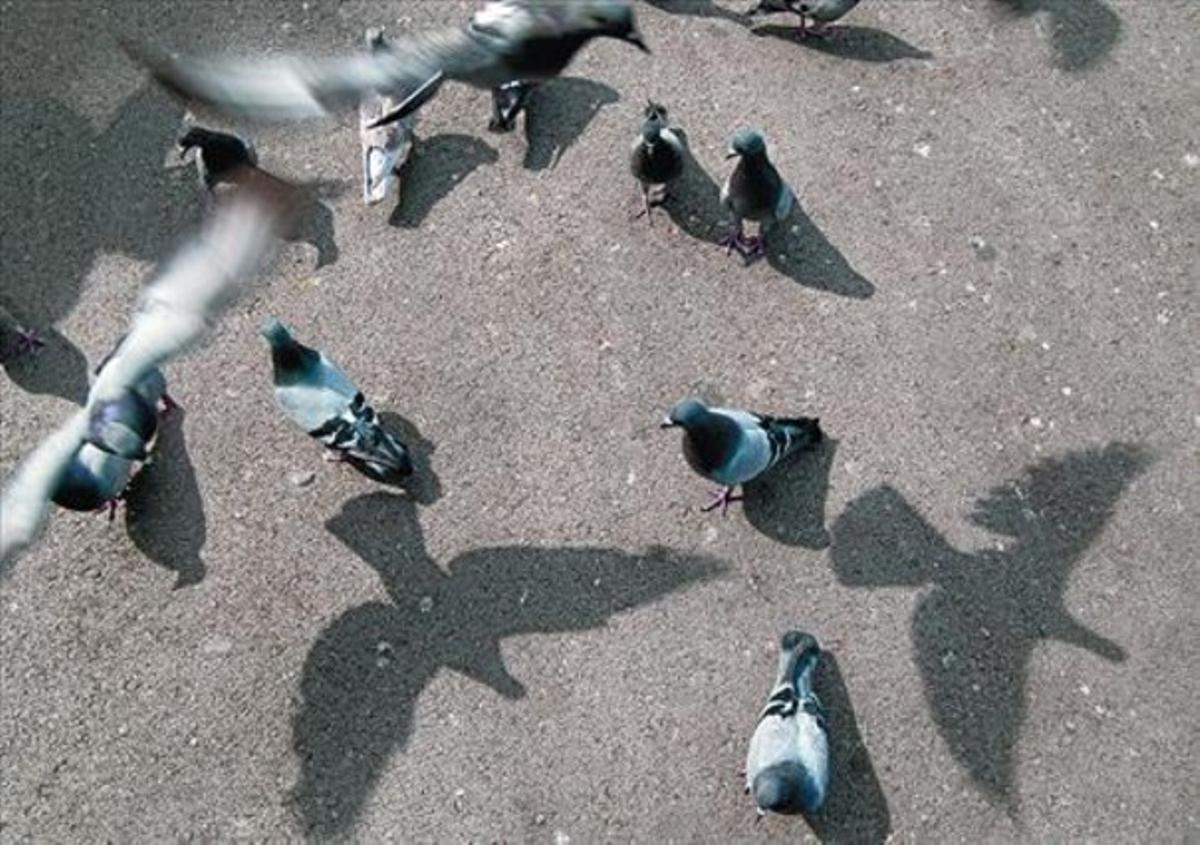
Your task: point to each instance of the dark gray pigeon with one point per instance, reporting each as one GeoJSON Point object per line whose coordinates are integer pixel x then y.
{"type": "Point", "coordinates": [787, 767]}
{"type": "Point", "coordinates": [175, 313]}
{"type": "Point", "coordinates": [126, 426]}
{"type": "Point", "coordinates": [507, 41]}
{"type": "Point", "coordinates": [754, 191]}
{"type": "Point", "coordinates": [317, 396]}
{"type": "Point", "coordinates": [822, 12]}
{"type": "Point", "coordinates": [219, 155]}
{"type": "Point", "coordinates": [657, 157]}
{"type": "Point", "coordinates": [384, 148]}
{"type": "Point", "coordinates": [15, 339]}
{"type": "Point", "coordinates": [731, 446]}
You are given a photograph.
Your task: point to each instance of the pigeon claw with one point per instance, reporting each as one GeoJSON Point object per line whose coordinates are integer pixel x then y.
{"type": "Point", "coordinates": [749, 248]}
{"type": "Point", "coordinates": [28, 343]}
{"type": "Point", "coordinates": [721, 499]}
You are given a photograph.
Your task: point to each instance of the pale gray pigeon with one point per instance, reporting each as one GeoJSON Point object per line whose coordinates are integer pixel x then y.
{"type": "Point", "coordinates": [384, 148]}
{"type": "Point", "coordinates": [657, 157]}
{"type": "Point", "coordinates": [316, 395]}
{"type": "Point", "coordinates": [754, 191]}
{"type": "Point", "coordinates": [787, 767]}
{"type": "Point", "coordinates": [507, 41]}
{"type": "Point", "coordinates": [731, 446]}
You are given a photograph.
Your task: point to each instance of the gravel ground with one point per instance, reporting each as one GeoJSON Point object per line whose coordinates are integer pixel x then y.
{"type": "Point", "coordinates": [988, 296]}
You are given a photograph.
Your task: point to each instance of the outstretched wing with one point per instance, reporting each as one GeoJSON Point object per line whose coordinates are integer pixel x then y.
{"type": "Point", "coordinates": [26, 496]}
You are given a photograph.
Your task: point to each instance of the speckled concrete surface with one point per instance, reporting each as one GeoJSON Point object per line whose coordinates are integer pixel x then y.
{"type": "Point", "coordinates": [988, 298]}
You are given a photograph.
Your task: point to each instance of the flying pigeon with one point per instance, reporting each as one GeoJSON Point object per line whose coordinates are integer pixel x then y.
{"type": "Point", "coordinates": [787, 768]}
{"type": "Point", "coordinates": [126, 426]}
{"type": "Point", "coordinates": [754, 191]}
{"type": "Point", "coordinates": [507, 41]}
{"type": "Point", "coordinates": [317, 396]}
{"type": "Point", "coordinates": [175, 313]}
{"type": "Point", "coordinates": [15, 339]}
{"type": "Point", "coordinates": [657, 157]}
{"type": "Point", "coordinates": [384, 148]}
{"type": "Point", "coordinates": [731, 446]}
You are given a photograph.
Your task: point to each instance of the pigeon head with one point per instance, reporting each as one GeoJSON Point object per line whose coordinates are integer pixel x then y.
{"type": "Point", "coordinates": [654, 110]}
{"type": "Point", "coordinates": [774, 790]}
{"type": "Point", "coordinates": [275, 332]}
{"type": "Point", "coordinates": [747, 142]}
{"type": "Point", "coordinates": [687, 414]}
{"type": "Point", "coordinates": [798, 641]}
{"type": "Point", "coordinates": [375, 39]}
{"type": "Point", "coordinates": [613, 19]}
{"type": "Point", "coordinates": [196, 137]}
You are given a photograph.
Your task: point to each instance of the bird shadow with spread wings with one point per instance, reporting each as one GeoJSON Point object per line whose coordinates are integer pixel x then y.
{"type": "Point", "coordinates": [856, 809]}
{"type": "Point", "coordinates": [1082, 32]}
{"type": "Point", "coordinates": [558, 113]}
{"type": "Point", "coordinates": [364, 673]}
{"type": "Point", "coordinates": [861, 43]}
{"type": "Point", "coordinates": [165, 510]}
{"type": "Point", "coordinates": [437, 165]}
{"type": "Point", "coordinates": [787, 504]}
{"type": "Point", "coordinates": [796, 247]}
{"type": "Point", "coordinates": [976, 627]}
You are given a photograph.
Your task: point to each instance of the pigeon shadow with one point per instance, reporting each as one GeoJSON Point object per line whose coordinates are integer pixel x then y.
{"type": "Point", "coordinates": [557, 114]}
{"type": "Point", "coordinates": [71, 194]}
{"type": "Point", "coordinates": [700, 9]}
{"type": "Point", "coordinates": [58, 369]}
{"type": "Point", "coordinates": [787, 504]}
{"type": "Point", "coordinates": [165, 511]}
{"type": "Point", "coordinates": [315, 224]}
{"type": "Point", "coordinates": [694, 201]}
{"type": "Point", "coordinates": [856, 809]}
{"type": "Point", "coordinates": [1082, 32]}
{"type": "Point", "coordinates": [423, 486]}
{"type": "Point", "coordinates": [983, 613]}
{"type": "Point", "coordinates": [364, 674]}
{"type": "Point", "coordinates": [861, 43]}
{"type": "Point", "coordinates": [798, 249]}
{"type": "Point", "coordinates": [437, 165]}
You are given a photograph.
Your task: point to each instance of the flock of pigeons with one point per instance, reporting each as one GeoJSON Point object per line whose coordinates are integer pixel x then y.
{"type": "Point", "coordinates": [508, 47]}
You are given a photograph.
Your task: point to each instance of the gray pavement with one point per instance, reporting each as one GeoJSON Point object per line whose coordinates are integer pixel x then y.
{"type": "Point", "coordinates": [988, 297]}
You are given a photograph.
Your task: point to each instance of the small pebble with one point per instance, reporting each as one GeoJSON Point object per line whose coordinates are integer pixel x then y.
{"type": "Point", "coordinates": [301, 479]}
{"type": "Point", "coordinates": [426, 604]}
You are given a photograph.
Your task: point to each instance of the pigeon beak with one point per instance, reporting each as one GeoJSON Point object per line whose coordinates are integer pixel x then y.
{"type": "Point", "coordinates": [635, 38]}
{"type": "Point", "coordinates": [667, 423]}
{"type": "Point", "coordinates": [730, 154]}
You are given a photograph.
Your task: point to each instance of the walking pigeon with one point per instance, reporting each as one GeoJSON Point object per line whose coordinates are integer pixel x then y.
{"type": "Point", "coordinates": [317, 396]}
{"type": "Point", "coordinates": [507, 41]}
{"type": "Point", "coordinates": [657, 157]}
{"type": "Point", "coordinates": [754, 191]}
{"type": "Point", "coordinates": [787, 768]}
{"type": "Point", "coordinates": [731, 446]}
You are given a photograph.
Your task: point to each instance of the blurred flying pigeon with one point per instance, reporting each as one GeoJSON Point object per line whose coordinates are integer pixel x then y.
{"type": "Point", "coordinates": [507, 41]}
{"type": "Point", "coordinates": [657, 157]}
{"type": "Point", "coordinates": [754, 191]}
{"type": "Point", "coordinates": [127, 425]}
{"type": "Point", "coordinates": [787, 768]}
{"type": "Point", "coordinates": [219, 155]}
{"type": "Point", "coordinates": [317, 396]}
{"type": "Point", "coordinates": [384, 148]}
{"type": "Point", "coordinates": [731, 446]}
{"type": "Point", "coordinates": [174, 314]}
{"type": "Point", "coordinates": [15, 339]}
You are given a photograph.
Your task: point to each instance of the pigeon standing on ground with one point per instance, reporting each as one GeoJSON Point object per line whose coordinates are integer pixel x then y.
{"type": "Point", "coordinates": [657, 157]}
{"type": "Point", "coordinates": [219, 156]}
{"type": "Point", "coordinates": [787, 768]}
{"type": "Point", "coordinates": [384, 148]}
{"type": "Point", "coordinates": [174, 314]}
{"type": "Point", "coordinates": [15, 339]}
{"type": "Point", "coordinates": [754, 191]}
{"type": "Point", "coordinates": [506, 42]}
{"type": "Point", "coordinates": [731, 446]}
{"type": "Point", "coordinates": [823, 13]}
{"type": "Point", "coordinates": [316, 395]}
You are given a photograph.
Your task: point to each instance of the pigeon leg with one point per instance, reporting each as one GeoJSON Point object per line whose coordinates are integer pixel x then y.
{"type": "Point", "coordinates": [112, 510]}
{"type": "Point", "coordinates": [721, 499]}
{"type": "Point", "coordinates": [507, 103]}
{"type": "Point", "coordinates": [733, 240]}
{"type": "Point", "coordinates": [751, 247]}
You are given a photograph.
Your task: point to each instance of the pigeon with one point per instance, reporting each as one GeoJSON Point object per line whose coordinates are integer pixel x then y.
{"type": "Point", "coordinates": [219, 155]}
{"type": "Point", "coordinates": [754, 191]}
{"type": "Point", "coordinates": [822, 12]}
{"type": "Point", "coordinates": [731, 446]}
{"type": "Point", "coordinates": [384, 148]}
{"type": "Point", "coordinates": [770, 7]}
{"type": "Point", "coordinates": [787, 767]}
{"type": "Point", "coordinates": [15, 339]}
{"type": "Point", "coordinates": [175, 313]}
{"type": "Point", "coordinates": [317, 396]}
{"type": "Point", "coordinates": [657, 157]}
{"type": "Point", "coordinates": [507, 41]}
{"type": "Point", "coordinates": [126, 426]}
